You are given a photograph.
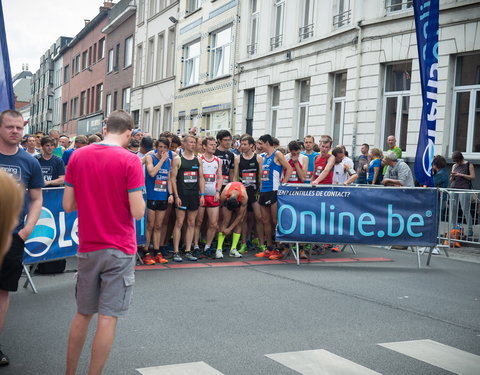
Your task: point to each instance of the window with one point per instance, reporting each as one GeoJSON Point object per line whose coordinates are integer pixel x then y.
{"type": "Point", "coordinates": [115, 101]}
{"type": "Point", "coordinates": [64, 112]}
{"type": "Point", "coordinates": [466, 104]}
{"type": "Point", "coordinates": [304, 102]}
{"type": "Point", "coordinates": [253, 32]}
{"type": "Point", "coordinates": [150, 60]}
{"type": "Point", "coordinates": [191, 63]}
{"type": "Point", "coordinates": [101, 48]}
{"type": "Point", "coordinates": [279, 10]}
{"type": "Point", "coordinates": [396, 102]}
{"type": "Point", "coordinates": [170, 52]}
{"type": "Point", "coordinates": [84, 60]}
{"type": "Point", "coordinates": [167, 117]}
{"type": "Point", "coordinates": [192, 5]}
{"type": "Point", "coordinates": [141, 11]}
{"type": "Point", "coordinates": [94, 52]}
{"type": "Point", "coordinates": [75, 107]}
{"type": "Point", "coordinates": [117, 58]}
{"type": "Point", "coordinates": [306, 19]}
{"type": "Point", "coordinates": [128, 52]}
{"type": "Point", "coordinates": [83, 103]}
{"type": "Point", "coordinates": [394, 6]}
{"type": "Point", "coordinates": [160, 55]}
{"type": "Point", "coordinates": [139, 62]}
{"type": "Point", "coordinates": [126, 99]}
{"type": "Point", "coordinates": [220, 52]}
{"type": "Point", "coordinates": [66, 73]}
{"type": "Point", "coordinates": [99, 97]}
{"type": "Point", "coordinates": [110, 61]}
{"type": "Point", "coordinates": [152, 10]}
{"type": "Point", "coordinates": [338, 106]}
{"type": "Point", "coordinates": [216, 121]}
{"type": "Point", "coordinates": [181, 122]}
{"type": "Point", "coordinates": [77, 64]}
{"type": "Point", "coordinates": [274, 108]}
{"type": "Point", "coordinates": [146, 120]}
{"type": "Point", "coordinates": [156, 123]}
{"type": "Point", "coordinates": [136, 117]}
{"type": "Point", "coordinates": [344, 14]}
{"type": "Point", "coordinates": [108, 104]}
{"type": "Point", "coordinates": [250, 100]}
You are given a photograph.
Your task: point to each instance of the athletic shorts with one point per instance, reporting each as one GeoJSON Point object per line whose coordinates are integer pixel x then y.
{"type": "Point", "coordinates": [157, 205]}
{"type": "Point", "coordinates": [12, 267]}
{"type": "Point", "coordinates": [105, 282]}
{"type": "Point", "coordinates": [252, 198]}
{"type": "Point", "coordinates": [267, 198]}
{"type": "Point", "coordinates": [210, 201]}
{"type": "Point", "coordinates": [189, 203]}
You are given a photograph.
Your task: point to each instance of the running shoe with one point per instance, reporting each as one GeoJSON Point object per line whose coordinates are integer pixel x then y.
{"type": "Point", "coordinates": [189, 256]}
{"type": "Point", "coordinates": [276, 254]}
{"type": "Point", "coordinates": [243, 249]}
{"type": "Point", "coordinates": [197, 253]}
{"type": "Point", "coordinates": [256, 242]}
{"type": "Point", "coordinates": [148, 259]}
{"type": "Point", "coordinates": [335, 248]}
{"type": "Point", "coordinates": [160, 259]}
{"type": "Point", "coordinates": [177, 257]}
{"type": "Point", "coordinates": [303, 255]}
{"type": "Point", "coordinates": [218, 254]}
{"type": "Point", "coordinates": [234, 253]}
{"type": "Point", "coordinates": [265, 253]}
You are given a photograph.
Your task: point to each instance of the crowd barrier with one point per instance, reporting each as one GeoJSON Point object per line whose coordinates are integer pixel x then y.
{"type": "Point", "coordinates": [350, 215]}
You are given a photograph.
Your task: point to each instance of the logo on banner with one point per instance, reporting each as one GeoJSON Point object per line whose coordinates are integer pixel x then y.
{"type": "Point", "coordinates": [43, 234]}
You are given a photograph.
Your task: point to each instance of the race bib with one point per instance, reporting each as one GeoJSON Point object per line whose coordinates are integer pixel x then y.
{"type": "Point", "coordinates": [265, 175]}
{"type": "Point", "coordinates": [319, 170]}
{"type": "Point", "coordinates": [190, 177]}
{"type": "Point", "coordinates": [309, 175]}
{"type": "Point", "coordinates": [226, 179]}
{"type": "Point", "coordinates": [249, 178]}
{"type": "Point", "coordinates": [160, 186]}
{"type": "Point", "coordinates": [293, 177]}
{"type": "Point", "coordinates": [209, 178]}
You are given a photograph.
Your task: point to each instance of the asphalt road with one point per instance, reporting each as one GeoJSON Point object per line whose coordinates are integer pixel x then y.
{"type": "Point", "coordinates": [231, 317]}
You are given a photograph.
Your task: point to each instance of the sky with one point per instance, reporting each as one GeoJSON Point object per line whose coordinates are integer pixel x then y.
{"type": "Point", "coordinates": [32, 26]}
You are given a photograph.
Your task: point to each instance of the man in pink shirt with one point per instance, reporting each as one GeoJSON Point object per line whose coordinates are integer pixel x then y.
{"type": "Point", "coordinates": [104, 183]}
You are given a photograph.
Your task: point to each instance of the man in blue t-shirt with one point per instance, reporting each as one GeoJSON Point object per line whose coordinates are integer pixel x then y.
{"type": "Point", "coordinates": [80, 141]}
{"type": "Point", "coordinates": [53, 168]}
{"type": "Point", "coordinates": [25, 169]}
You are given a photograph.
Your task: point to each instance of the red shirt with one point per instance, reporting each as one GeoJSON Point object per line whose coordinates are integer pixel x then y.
{"type": "Point", "coordinates": [320, 164]}
{"type": "Point", "coordinates": [102, 176]}
{"type": "Point", "coordinates": [235, 186]}
{"type": "Point", "coordinates": [294, 179]}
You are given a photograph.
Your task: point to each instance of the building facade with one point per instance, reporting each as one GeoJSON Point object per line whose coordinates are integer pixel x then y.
{"type": "Point", "coordinates": [205, 95]}
{"type": "Point", "coordinates": [350, 69]}
{"type": "Point", "coordinates": [154, 70]}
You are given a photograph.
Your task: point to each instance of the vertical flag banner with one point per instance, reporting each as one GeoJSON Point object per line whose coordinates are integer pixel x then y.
{"type": "Point", "coordinates": [7, 100]}
{"type": "Point", "coordinates": [426, 25]}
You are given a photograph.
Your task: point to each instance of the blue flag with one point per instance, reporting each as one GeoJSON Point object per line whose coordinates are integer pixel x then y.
{"type": "Point", "coordinates": [7, 99]}
{"type": "Point", "coordinates": [426, 25]}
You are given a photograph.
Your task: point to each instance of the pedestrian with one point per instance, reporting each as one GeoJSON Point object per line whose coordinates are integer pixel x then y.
{"type": "Point", "coordinates": [53, 168]}
{"type": "Point", "coordinates": [398, 173]}
{"type": "Point", "coordinates": [362, 165]}
{"type": "Point", "coordinates": [104, 172]}
{"type": "Point", "coordinates": [374, 170]}
{"type": "Point", "coordinates": [26, 170]}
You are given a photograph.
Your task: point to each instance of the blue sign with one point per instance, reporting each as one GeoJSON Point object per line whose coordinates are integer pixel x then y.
{"type": "Point", "coordinates": [426, 25]}
{"type": "Point", "coordinates": [55, 235]}
{"type": "Point", "coordinates": [349, 215]}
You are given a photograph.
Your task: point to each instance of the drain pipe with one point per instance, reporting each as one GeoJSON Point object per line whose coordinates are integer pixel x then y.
{"type": "Point", "coordinates": [358, 26]}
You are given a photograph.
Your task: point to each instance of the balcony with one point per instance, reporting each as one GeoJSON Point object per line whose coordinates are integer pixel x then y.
{"type": "Point", "coordinates": [342, 19]}
{"type": "Point", "coordinates": [305, 32]}
{"type": "Point", "coordinates": [252, 49]}
{"type": "Point", "coordinates": [276, 41]}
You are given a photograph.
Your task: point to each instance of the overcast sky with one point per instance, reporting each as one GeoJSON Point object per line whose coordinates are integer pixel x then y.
{"type": "Point", "coordinates": [32, 26]}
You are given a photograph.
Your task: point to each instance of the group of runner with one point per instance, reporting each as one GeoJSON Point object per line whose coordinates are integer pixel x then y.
{"type": "Point", "coordinates": [202, 190]}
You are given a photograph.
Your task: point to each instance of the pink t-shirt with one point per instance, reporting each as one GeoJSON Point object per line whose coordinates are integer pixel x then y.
{"type": "Point", "coordinates": [102, 176]}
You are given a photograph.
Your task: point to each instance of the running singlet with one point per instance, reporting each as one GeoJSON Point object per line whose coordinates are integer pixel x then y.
{"type": "Point", "coordinates": [187, 177]}
{"type": "Point", "coordinates": [294, 176]}
{"type": "Point", "coordinates": [311, 164]}
{"type": "Point", "coordinates": [271, 173]}
{"type": "Point", "coordinates": [210, 168]}
{"type": "Point", "coordinates": [320, 164]}
{"type": "Point", "coordinates": [227, 159]}
{"type": "Point", "coordinates": [248, 172]}
{"type": "Point", "coordinates": [157, 187]}
{"type": "Point", "coordinates": [235, 186]}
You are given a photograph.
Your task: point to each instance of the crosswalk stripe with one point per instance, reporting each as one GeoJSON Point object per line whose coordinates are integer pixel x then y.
{"type": "Point", "coordinates": [193, 368]}
{"type": "Point", "coordinates": [439, 355]}
{"type": "Point", "coordinates": [319, 362]}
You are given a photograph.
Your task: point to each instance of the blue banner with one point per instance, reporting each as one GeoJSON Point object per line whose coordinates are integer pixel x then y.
{"type": "Point", "coordinates": [426, 25]}
{"type": "Point", "coordinates": [56, 234]}
{"type": "Point", "coordinates": [7, 100]}
{"type": "Point", "coordinates": [363, 215]}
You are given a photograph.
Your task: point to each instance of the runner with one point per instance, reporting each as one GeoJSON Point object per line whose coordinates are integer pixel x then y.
{"type": "Point", "coordinates": [309, 143]}
{"type": "Point", "coordinates": [224, 139]}
{"type": "Point", "coordinates": [299, 163]}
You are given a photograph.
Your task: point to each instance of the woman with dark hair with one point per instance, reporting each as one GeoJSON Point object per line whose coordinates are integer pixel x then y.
{"type": "Point", "coordinates": [440, 176]}
{"type": "Point", "coordinates": [463, 173]}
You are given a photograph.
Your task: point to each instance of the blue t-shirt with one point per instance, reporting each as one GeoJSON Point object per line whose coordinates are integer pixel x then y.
{"type": "Point", "coordinates": [25, 169]}
{"type": "Point", "coordinates": [371, 170]}
{"type": "Point", "coordinates": [66, 155]}
{"type": "Point", "coordinates": [440, 179]}
{"type": "Point", "coordinates": [52, 168]}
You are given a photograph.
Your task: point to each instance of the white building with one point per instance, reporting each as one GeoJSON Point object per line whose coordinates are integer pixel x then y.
{"type": "Point", "coordinates": [350, 69]}
{"type": "Point", "coordinates": [153, 87]}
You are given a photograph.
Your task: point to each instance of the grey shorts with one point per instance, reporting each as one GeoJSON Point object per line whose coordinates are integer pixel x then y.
{"type": "Point", "coordinates": [105, 282]}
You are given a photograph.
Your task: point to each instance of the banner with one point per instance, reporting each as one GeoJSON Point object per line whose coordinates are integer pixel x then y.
{"type": "Point", "coordinates": [426, 25]}
{"type": "Point", "coordinates": [349, 215]}
{"type": "Point", "coordinates": [56, 234]}
{"type": "Point", "coordinates": [7, 100]}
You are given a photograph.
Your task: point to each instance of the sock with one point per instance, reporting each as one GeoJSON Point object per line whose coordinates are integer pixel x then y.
{"type": "Point", "coordinates": [206, 248]}
{"type": "Point", "coordinates": [220, 239]}
{"type": "Point", "coordinates": [235, 239]}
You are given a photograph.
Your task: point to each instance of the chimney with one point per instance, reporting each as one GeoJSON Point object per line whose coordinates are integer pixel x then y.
{"type": "Point", "coordinates": [108, 4]}
{"type": "Point", "coordinates": [86, 22]}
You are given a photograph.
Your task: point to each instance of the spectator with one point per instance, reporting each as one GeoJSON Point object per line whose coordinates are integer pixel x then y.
{"type": "Point", "coordinates": [133, 146]}
{"type": "Point", "coordinates": [440, 176]}
{"type": "Point", "coordinates": [80, 141]}
{"type": "Point", "coordinates": [362, 164]}
{"type": "Point", "coordinates": [38, 136]}
{"type": "Point", "coordinates": [392, 146]}
{"type": "Point", "coordinates": [53, 168]}
{"type": "Point", "coordinates": [93, 138]}
{"type": "Point", "coordinates": [137, 134]}
{"type": "Point", "coordinates": [58, 150]}
{"type": "Point", "coordinates": [64, 141]}
{"type": "Point", "coordinates": [374, 175]}
{"type": "Point", "coordinates": [31, 146]}
{"type": "Point", "coordinates": [398, 172]}
{"type": "Point", "coordinates": [343, 172]}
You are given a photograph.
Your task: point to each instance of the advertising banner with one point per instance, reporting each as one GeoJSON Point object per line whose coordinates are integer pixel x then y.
{"type": "Point", "coordinates": [56, 234]}
{"type": "Point", "coordinates": [357, 215]}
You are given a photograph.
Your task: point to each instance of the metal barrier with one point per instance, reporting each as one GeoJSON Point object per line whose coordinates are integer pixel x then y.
{"type": "Point", "coordinates": [459, 217]}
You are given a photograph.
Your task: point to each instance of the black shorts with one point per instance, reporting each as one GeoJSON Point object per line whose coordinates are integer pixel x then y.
{"type": "Point", "coordinates": [12, 267]}
{"type": "Point", "coordinates": [157, 205]}
{"type": "Point", "coordinates": [267, 198]}
{"type": "Point", "coordinates": [252, 198]}
{"type": "Point", "coordinates": [189, 203]}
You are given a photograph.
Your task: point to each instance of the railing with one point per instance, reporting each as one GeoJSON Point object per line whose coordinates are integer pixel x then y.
{"type": "Point", "coordinates": [252, 49]}
{"type": "Point", "coordinates": [276, 41]}
{"type": "Point", "coordinates": [342, 19]}
{"type": "Point", "coordinates": [403, 6]}
{"type": "Point", "coordinates": [305, 32]}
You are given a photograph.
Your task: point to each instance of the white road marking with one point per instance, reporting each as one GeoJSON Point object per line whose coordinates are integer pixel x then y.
{"type": "Point", "coordinates": [439, 355]}
{"type": "Point", "coordinates": [320, 362]}
{"type": "Point", "coordinates": [193, 368]}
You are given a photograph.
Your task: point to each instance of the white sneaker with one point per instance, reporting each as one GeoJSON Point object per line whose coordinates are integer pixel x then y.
{"type": "Point", "coordinates": [435, 251]}
{"type": "Point", "coordinates": [218, 254]}
{"type": "Point", "coordinates": [234, 253]}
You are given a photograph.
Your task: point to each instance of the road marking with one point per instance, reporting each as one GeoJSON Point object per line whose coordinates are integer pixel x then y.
{"type": "Point", "coordinates": [193, 368]}
{"type": "Point", "coordinates": [320, 362]}
{"type": "Point", "coordinates": [439, 355]}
